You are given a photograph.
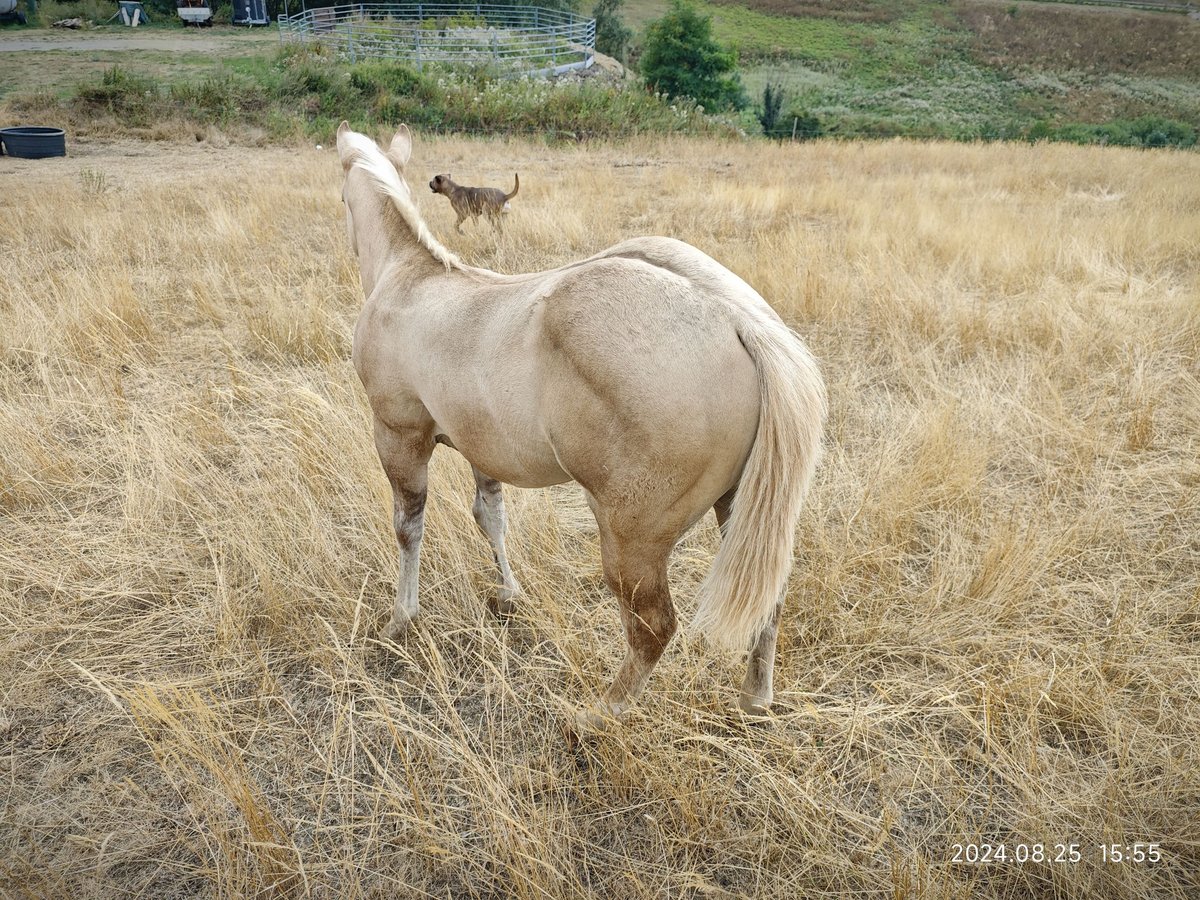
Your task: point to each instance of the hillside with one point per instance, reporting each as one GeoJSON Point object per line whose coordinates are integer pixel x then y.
{"type": "Point", "coordinates": [967, 69]}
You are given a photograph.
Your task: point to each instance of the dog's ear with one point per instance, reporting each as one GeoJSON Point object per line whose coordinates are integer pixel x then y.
{"type": "Point", "coordinates": [401, 147]}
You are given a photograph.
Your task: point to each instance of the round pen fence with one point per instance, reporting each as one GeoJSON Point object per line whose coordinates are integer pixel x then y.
{"type": "Point", "coordinates": [525, 39]}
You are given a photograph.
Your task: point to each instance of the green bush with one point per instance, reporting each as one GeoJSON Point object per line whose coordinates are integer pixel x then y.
{"type": "Point", "coordinates": [1149, 132]}
{"type": "Point", "coordinates": [304, 79]}
{"type": "Point", "coordinates": [681, 58]}
{"type": "Point", "coordinates": [132, 97]}
{"type": "Point", "coordinates": [1039, 131]}
{"type": "Point", "coordinates": [467, 20]}
{"type": "Point", "coordinates": [374, 79]}
{"type": "Point", "coordinates": [796, 122]}
{"type": "Point", "coordinates": [392, 93]}
{"type": "Point", "coordinates": [160, 11]}
{"type": "Point", "coordinates": [219, 98]}
{"type": "Point", "coordinates": [1156, 132]}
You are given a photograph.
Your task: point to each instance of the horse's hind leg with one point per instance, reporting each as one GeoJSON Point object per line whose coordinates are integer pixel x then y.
{"type": "Point", "coordinates": [723, 509]}
{"type": "Point", "coordinates": [488, 510]}
{"type": "Point", "coordinates": [404, 454]}
{"type": "Point", "coordinates": [758, 685]}
{"type": "Point", "coordinates": [635, 569]}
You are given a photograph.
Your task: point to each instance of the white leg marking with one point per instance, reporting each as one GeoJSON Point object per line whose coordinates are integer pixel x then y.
{"type": "Point", "coordinates": [488, 510]}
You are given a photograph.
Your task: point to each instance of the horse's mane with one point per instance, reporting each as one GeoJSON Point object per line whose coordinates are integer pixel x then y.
{"type": "Point", "coordinates": [375, 163]}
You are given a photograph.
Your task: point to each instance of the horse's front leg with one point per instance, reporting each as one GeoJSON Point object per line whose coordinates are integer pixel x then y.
{"type": "Point", "coordinates": [404, 453]}
{"type": "Point", "coordinates": [488, 510]}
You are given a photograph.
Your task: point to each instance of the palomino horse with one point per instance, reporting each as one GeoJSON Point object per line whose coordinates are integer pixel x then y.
{"type": "Point", "coordinates": [649, 373]}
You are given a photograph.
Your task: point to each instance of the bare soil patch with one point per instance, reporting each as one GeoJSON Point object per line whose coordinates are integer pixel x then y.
{"type": "Point", "coordinates": [128, 39]}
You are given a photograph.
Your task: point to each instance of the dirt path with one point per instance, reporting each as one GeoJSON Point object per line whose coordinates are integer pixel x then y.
{"type": "Point", "coordinates": [12, 45]}
{"type": "Point", "coordinates": [206, 41]}
{"type": "Point", "coordinates": [127, 162]}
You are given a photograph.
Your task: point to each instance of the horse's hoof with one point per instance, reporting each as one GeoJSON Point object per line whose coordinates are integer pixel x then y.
{"type": "Point", "coordinates": [394, 630]}
{"type": "Point", "coordinates": [755, 705]}
{"type": "Point", "coordinates": [505, 605]}
{"type": "Point", "coordinates": [593, 721]}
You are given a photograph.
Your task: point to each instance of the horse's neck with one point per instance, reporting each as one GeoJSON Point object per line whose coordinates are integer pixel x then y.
{"type": "Point", "coordinates": [388, 243]}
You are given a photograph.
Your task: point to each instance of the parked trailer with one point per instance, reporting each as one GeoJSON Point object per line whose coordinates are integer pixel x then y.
{"type": "Point", "coordinates": [250, 12]}
{"type": "Point", "coordinates": [9, 12]}
{"type": "Point", "coordinates": [194, 12]}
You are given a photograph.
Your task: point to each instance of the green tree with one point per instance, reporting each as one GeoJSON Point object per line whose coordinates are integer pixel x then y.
{"type": "Point", "coordinates": [681, 58]}
{"type": "Point", "coordinates": [772, 106]}
{"type": "Point", "coordinates": [611, 34]}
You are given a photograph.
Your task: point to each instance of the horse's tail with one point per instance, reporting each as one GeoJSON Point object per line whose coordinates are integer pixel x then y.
{"type": "Point", "coordinates": [516, 187]}
{"type": "Point", "coordinates": [750, 572]}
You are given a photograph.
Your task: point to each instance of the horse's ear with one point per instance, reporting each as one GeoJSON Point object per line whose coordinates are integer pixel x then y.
{"type": "Point", "coordinates": [401, 146]}
{"type": "Point", "coordinates": [343, 144]}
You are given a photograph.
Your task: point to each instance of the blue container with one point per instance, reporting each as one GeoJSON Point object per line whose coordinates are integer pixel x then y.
{"type": "Point", "coordinates": [33, 141]}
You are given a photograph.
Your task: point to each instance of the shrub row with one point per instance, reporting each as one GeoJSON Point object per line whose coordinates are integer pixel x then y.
{"type": "Point", "coordinates": [1148, 131]}
{"type": "Point", "coordinates": [307, 92]}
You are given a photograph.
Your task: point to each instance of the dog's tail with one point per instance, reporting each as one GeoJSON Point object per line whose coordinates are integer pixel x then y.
{"type": "Point", "coordinates": [516, 188]}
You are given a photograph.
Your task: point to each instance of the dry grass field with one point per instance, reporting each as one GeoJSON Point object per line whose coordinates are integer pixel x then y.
{"type": "Point", "coordinates": [993, 627]}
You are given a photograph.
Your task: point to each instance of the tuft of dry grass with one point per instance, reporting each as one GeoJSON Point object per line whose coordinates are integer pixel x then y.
{"type": "Point", "coordinates": [993, 627]}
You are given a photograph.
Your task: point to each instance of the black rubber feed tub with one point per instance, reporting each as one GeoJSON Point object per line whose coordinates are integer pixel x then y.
{"type": "Point", "coordinates": [33, 141]}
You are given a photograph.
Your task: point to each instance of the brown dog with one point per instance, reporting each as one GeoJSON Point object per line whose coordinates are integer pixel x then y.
{"type": "Point", "coordinates": [471, 202]}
